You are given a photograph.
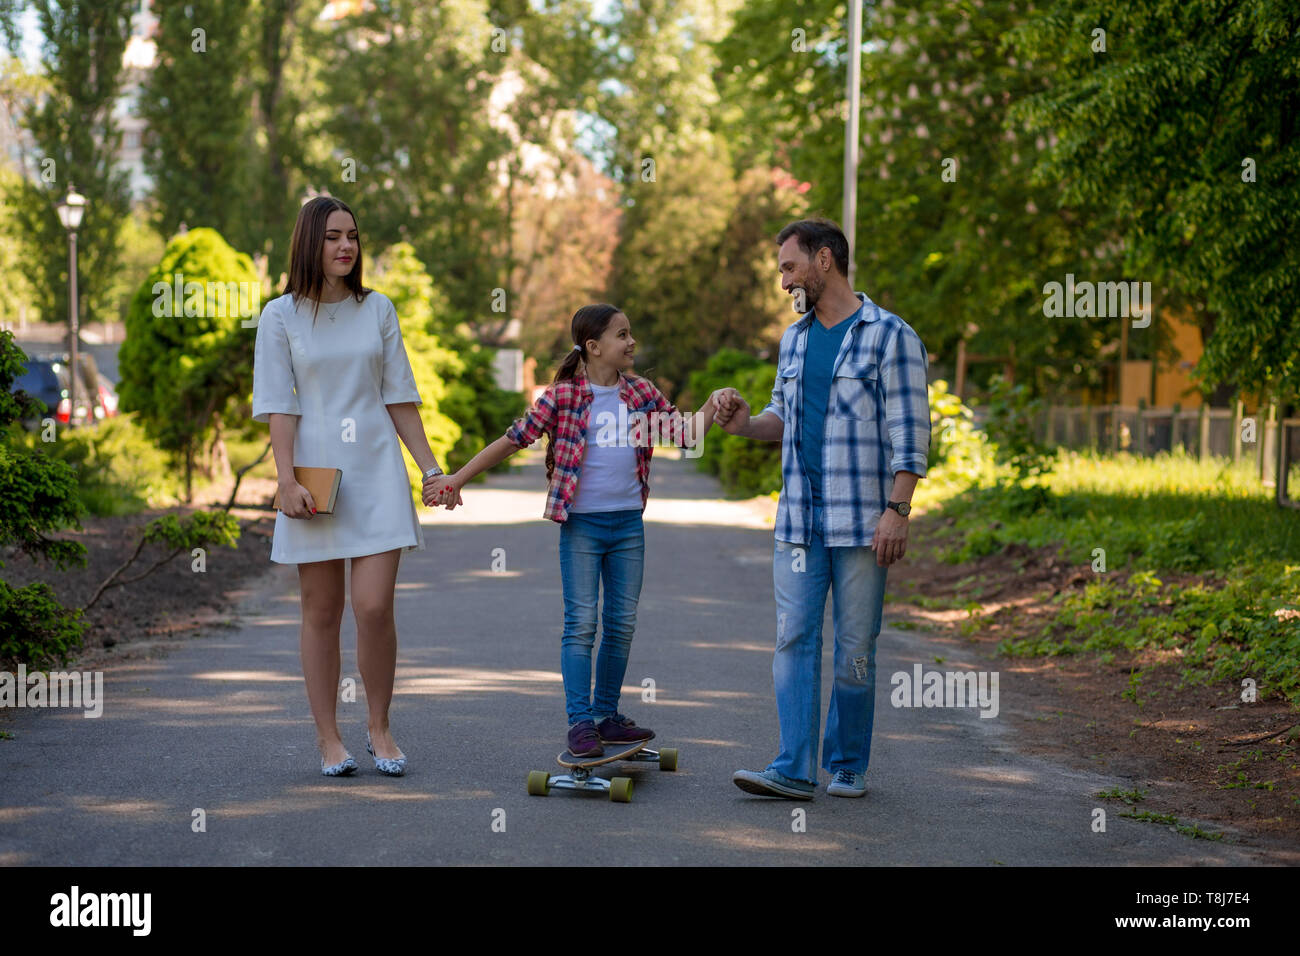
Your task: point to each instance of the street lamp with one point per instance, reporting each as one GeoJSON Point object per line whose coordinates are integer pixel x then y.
{"type": "Point", "coordinates": [71, 209]}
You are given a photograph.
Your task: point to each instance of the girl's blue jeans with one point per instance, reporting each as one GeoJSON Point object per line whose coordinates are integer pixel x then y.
{"type": "Point", "coordinates": [609, 547]}
{"type": "Point", "coordinates": [802, 575]}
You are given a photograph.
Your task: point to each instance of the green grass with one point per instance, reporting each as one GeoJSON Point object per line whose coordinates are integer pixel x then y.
{"type": "Point", "coordinates": [1130, 797]}
{"type": "Point", "coordinates": [1192, 830]}
{"type": "Point", "coordinates": [1143, 521]}
{"type": "Point", "coordinates": [1186, 829]}
{"type": "Point", "coordinates": [1146, 816]}
{"type": "Point", "coordinates": [1168, 513]}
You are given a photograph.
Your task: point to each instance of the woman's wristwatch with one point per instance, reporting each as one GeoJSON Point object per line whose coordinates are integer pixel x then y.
{"type": "Point", "coordinates": [435, 470]}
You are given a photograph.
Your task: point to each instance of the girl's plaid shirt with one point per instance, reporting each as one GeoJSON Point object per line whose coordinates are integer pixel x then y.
{"type": "Point", "coordinates": [564, 409]}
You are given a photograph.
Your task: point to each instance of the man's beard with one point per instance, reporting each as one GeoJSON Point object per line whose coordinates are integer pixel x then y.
{"type": "Point", "coordinates": [812, 291]}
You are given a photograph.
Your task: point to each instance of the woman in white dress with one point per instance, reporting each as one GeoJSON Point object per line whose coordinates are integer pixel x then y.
{"type": "Point", "coordinates": [331, 378]}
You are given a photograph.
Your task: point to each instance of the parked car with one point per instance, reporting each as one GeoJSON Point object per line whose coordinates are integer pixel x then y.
{"type": "Point", "coordinates": [42, 383]}
{"type": "Point", "coordinates": [47, 378]}
{"type": "Point", "coordinates": [107, 398]}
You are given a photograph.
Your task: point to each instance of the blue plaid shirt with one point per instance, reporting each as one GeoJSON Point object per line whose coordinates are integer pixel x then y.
{"type": "Point", "coordinates": [877, 424]}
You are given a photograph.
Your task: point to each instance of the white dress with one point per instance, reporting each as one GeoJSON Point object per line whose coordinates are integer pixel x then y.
{"type": "Point", "coordinates": [338, 375]}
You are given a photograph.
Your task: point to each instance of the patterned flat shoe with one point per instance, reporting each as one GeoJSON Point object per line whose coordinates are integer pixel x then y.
{"type": "Point", "coordinates": [390, 766]}
{"type": "Point", "coordinates": [344, 768]}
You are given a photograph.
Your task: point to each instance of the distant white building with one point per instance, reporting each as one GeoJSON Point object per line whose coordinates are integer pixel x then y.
{"type": "Point", "coordinates": [138, 60]}
{"type": "Point", "coordinates": [17, 147]}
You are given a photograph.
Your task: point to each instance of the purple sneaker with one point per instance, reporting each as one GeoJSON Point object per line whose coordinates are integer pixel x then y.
{"type": "Point", "coordinates": [584, 741]}
{"type": "Point", "coordinates": [622, 730]}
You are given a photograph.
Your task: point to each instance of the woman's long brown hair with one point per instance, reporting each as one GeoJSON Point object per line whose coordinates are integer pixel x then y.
{"type": "Point", "coordinates": [589, 322]}
{"type": "Point", "coordinates": [306, 273]}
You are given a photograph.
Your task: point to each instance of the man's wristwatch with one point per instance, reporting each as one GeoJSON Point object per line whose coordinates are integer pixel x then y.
{"type": "Point", "coordinates": [435, 470]}
{"type": "Point", "coordinates": [902, 507]}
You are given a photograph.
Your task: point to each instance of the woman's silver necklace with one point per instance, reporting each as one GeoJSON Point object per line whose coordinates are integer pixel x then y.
{"type": "Point", "coordinates": [328, 312]}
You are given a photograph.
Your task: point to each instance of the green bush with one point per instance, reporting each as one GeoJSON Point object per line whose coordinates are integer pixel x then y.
{"type": "Point", "coordinates": [744, 466]}
{"type": "Point", "coordinates": [1021, 500]}
{"type": "Point", "coordinates": [186, 359]}
{"type": "Point", "coordinates": [463, 409]}
{"type": "Point", "coordinates": [119, 470]}
{"type": "Point", "coordinates": [35, 629]}
{"type": "Point", "coordinates": [747, 467]}
{"type": "Point", "coordinates": [481, 409]}
{"type": "Point", "coordinates": [955, 443]}
{"type": "Point", "coordinates": [1009, 426]}
{"type": "Point", "coordinates": [1179, 545]}
{"type": "Point", "coordinates": [37, 495]}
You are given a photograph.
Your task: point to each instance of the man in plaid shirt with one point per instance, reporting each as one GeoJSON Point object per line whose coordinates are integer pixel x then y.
{"type": "Point", "coordinates": [850, 409]}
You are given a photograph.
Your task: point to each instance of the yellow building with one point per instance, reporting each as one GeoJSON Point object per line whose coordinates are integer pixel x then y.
{"type": "Point", "coordinates": [1172, 381]}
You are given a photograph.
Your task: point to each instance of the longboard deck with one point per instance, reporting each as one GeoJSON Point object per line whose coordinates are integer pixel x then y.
{"type": "Point", "coordinates": [568, 759]}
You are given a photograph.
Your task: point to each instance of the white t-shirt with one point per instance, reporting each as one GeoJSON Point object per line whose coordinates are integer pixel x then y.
{"type": "Point", "coordinates": [608, 480]}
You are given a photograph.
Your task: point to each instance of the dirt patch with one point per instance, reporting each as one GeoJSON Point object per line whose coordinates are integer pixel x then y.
{"type": "Point", "coordinates": [1199, 752]}
{"type": "Point", "coordinates": [172, 602]}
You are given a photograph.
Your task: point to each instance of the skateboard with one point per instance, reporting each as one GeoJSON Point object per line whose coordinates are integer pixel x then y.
{"type": "Point", "coordinates": [581, 778]}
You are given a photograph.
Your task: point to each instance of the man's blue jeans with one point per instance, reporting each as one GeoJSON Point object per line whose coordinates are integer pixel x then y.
{"type": "Point", "coordinates": [608, 546]}
{"type": "Point", "coordinates": [802, 575]}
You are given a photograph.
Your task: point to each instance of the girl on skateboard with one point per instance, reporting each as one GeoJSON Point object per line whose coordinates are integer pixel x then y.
{"type": "Point", "coordinates": [601, 422]}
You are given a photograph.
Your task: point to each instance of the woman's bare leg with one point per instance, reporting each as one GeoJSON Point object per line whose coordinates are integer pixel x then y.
{"type": "Point", "coordinates": [321, 583]}
{"type": "Point", "coordinates": [374, 578]}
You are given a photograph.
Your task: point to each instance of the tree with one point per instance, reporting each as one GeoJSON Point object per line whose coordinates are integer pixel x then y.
{"type": "Point", "coordinates": [1180, 117]}
{"type": "Point", "coordinates": [200, 173]}
{"type": "Point", "coordinates": [139, 249]}
{"type": "Point", "coordinates": [951, 232]}
{"type": "Point", "coordinates": [564, 233]}
{"type": "Point", "coordinates": [416, 164]}
{"type": "Point", "coordinates": [698, 271]}
{"type": "Point", "coordinates": [463, 409]}
{"type": "Point", "coordinates": [17, 296]}
{"type": "Point", "coordinates": [560, 211]}
{"type": "Point", "coordinates": [77, 138]}
{"type": "Point", "coordinates": [400, 276]}
{"type": "Point", "coordinates": [187, 354]}
{"type": "Point", "coordinates": [695, 266]}
{"type": "Point", "coordinates": [285, 83]}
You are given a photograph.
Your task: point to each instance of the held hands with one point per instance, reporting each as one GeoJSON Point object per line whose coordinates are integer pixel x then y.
{"type": "Point", "coordinates": [732, 410]}
{"type": "Point", "coordinates": [441, 490]}
{"type": "Point", "coordinates": [296, 501]}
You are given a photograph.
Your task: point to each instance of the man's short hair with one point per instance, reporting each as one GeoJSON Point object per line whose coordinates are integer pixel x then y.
{"type": "Point", "coordinates": [815, 234]}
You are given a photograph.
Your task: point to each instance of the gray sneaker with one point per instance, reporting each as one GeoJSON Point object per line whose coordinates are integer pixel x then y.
{"type": "Point", "coordinates": [848, 784]}
{"type": "Point", "coordinates": [772, 783]}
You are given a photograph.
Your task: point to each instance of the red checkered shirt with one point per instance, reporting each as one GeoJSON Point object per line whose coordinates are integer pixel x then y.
{"type": "Point", "coordinates": [563, 411]}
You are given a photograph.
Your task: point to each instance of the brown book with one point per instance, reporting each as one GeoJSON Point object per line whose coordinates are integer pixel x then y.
{"type": "Point", "coordinates": [322, 483]}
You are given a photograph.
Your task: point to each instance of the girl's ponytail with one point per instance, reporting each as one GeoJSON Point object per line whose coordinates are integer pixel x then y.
{"type": "Point", "coordinates": [589, 322]}
{"type": "Point", "coordinates": [569, 366]}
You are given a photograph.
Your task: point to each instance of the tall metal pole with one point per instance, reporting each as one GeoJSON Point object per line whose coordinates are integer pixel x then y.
{"type": "Point", "coordinates": [851, 134]}
{"type": "Point", "coordinates": [72, 321]}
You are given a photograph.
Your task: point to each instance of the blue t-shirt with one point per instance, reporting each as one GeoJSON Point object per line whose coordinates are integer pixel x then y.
{"type": "Point", "coordinates": [818, 369]}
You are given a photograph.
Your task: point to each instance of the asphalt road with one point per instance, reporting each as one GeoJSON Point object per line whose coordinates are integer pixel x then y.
{"type": "Point", "coordinates": [220, 723]}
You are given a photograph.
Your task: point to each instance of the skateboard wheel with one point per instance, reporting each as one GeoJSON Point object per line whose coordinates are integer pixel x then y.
{"type": "Point", "coordinates": [539, 783]}
{"type": "Point", "coordinates": [620, 790]}
{"type": "Point", "coordinates": [668, 759]}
